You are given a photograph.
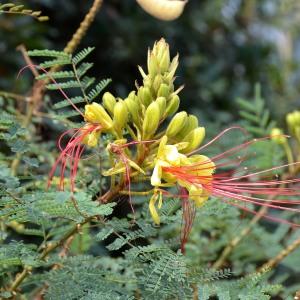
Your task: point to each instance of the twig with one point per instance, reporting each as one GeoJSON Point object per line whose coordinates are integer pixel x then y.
{"type": "Point", "coordinates": [39, 86]}
{"type": "Point", "coordinates": [84, 25]}
{"type": "Point", "coordinates": [15, 96]}
{"type": "Point", "coordinates": [234, 242]}
{"type": "Point", "coordinates": [36, 98]}
{"type": "Point", "coordinates": [273, 262]}
{"type": "Point", "coordinates": [52, 246]}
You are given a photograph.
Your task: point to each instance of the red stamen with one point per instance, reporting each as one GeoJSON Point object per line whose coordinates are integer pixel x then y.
{"type": "Point", "coordinates": [188, 217]}
{"type": "Point", "coordinates": [71, 153]}
{"type": "Point", "coordinates": [227, 185]}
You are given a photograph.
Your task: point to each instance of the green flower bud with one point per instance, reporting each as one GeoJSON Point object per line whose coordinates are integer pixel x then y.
{"type": "Point", "coordinates": [158, 80]}
{"type": "Point", "coordinates": [109, 102]}
{"type": "Point", "coordinates": [163, 91]}
{"type": "Point", "coordinates": [95, 113]}
{"type": "Point", "coordinates": [160, 48]}
{"type": "Point", "coordinates": [153, 65]}
{"type": "Point", "coordinates": [277, 136]}
{"type": "Point", "coordinates": [194, 138]}
{"type": "Point", "coordinates": [151, 120]}
{"type": "Point", "coordinates": [176, 124]}
{"type": "Point", "coordinates": [173, 105]}
{"type": "Point", "coordinates": [164, 60]}
{"type": "Point", "coordinates": [144, 96]}
{"type": "Point", "coordinates": [120, 115]}
{"type": "Point", "coordinates": [191, 123]}
{"type": "Point", "coordinates": [162, 102]}
{"type": "Point", "coordinates": [132, 95]}
{"type": "Point", "coordinates": [172, 69]}
{"type": "Point", "coordinates": [133, 109]}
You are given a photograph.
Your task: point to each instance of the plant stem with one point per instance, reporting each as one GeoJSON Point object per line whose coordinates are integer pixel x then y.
{"type": "Point", "coordinates": [52, 246]}
{"type": "Point", "coordinates": [14, 96]}
{"type": "Point", "coordinates": [234, 242]}
{"type": "Point", "coordinates": [84, 26]}
{"type": "Point", "coordinates": [39, 86]}
{"type": "Point", "coordinates": [273, 262]}
{"type": "Point", "coordinates": [146, 193]}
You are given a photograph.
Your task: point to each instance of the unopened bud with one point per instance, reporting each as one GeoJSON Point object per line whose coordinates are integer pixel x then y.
{"type": "Point", "coordinates": [172, 69]}
{"type": "Point", "coordinates": [144, 95]}
{"type": "Point", "coordinates": [153, 65]}
{"type": "Point", "coordinates": [158, 80]}
{"type": "Point", "coordinates": [277, 136]}
{"type": "Point", "coordinates": [133, 109]}
{"type": "Point", "coordinates": [194, 138]}
{"type": "Point", "coordinates": [176, 124]}
{"type": "Point", "coordinates": [163, 9]}
{"type": "Point", "coordinates": [96, 114]}
{"type": "Point", "coordinates": [92, 138]}
{"type": "Point", "coordinates": [164, 60]}
{"type": "Point", "coordinates": [151, 120]}
{"type": "Point", "coordinates": [109, 102]}
{"type": "Point", "coordinates": [163, 90]}
{"type": "Point", "coordinates": [190, 124]}
{"type": "Point", "coordinates": [162, 102]}
{"type": "Point", "coordinates": [293, 119]}
{"type": "Point", "coordinates": [173, 105]}
{"type": "Point", "coordinates": [120, 115]}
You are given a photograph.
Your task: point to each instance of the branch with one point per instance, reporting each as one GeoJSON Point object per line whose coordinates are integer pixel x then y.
{"type": "Point", "coordinates": [277, 259]}
{"type": "Point", "coordinates": [234, 242]}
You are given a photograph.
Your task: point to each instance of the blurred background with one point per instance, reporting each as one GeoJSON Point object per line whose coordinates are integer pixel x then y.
{"type": "Point", "coordinates": [225, 46]}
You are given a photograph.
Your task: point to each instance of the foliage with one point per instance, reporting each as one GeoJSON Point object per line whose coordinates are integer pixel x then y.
{"type": "Point", "coordinates": [87, 242]}
{"type": "Point", "coordinates": [11, 8]}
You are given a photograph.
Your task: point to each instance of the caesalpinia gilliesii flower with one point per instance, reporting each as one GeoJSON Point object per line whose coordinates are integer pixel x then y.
{"type": "Point", "coordinates": [201, 177]}
{"type": "Point", "coordinates": [97, 121]}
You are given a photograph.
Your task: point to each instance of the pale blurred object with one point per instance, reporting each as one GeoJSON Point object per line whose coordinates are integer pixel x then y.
{"type": "Point", "coordinates": [166, 10]}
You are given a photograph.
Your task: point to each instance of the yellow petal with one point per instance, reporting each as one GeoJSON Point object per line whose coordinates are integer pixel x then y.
{"type": "Point", "coordinates": [156, 175]}
{"type": "Point", "coordinates": [198, 195]}
{"type": "Point", "coordinates": [172, 155]}
{"type": "Point", "coordinates": [153, 210]}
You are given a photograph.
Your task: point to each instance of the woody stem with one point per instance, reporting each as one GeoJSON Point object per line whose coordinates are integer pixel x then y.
{"type": "Point", "coordinates": [277, 259]}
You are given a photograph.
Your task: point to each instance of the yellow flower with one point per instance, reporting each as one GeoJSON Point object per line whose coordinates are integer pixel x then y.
{"type": "Point", "coordinates": [167, 155]}
{"type": "Point", "coordinates": [96, 114]}
{"type": "Point", "coordinates": [194, 173]}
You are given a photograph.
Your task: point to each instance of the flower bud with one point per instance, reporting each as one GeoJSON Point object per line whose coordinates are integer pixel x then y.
{"type": "Point", "coordinates": [176, 124]}
{"type": "Point", "coordinates": [277, 136]}
{"type": "Point", "coordinates": [164, 60]}
{"type": "Point", "coordinates": [194, 138]}
{"type": "Point", "coordinates": [132, 95]}
{"type": "Point", "coordinates": [96, 114]}
{"type": "Point", "coordinates": [153, 66]}
{"type": "Point", "coordinates": [133, 109]}
{"type": "Point", "coordinates": [191, 123]}
{"type": "Point", "coordinates": [158, 80]}
{"type": "Point", "coordinates": [293, 119]}
{"type": "Point", "coordinates": [173, 105]}
{"type": "Point", "coordinates": [163, 9]}
{"type": "Point", "coordinates": [109, 102]}
{"type": "Point", "coordinates": [144, 96]}
{"type": "Point", "coordinates": [92, 138]}
{"type": "Point", "coordinates": [172, 69]}
{"type": "Point", "coordinates": [120, 115]}
{"type": "Point", "coordinates": [151, 120]}
{"type": "Point", "coordinates": [162, 102]}
{"type": "Point", "coordinates": [163, 90]}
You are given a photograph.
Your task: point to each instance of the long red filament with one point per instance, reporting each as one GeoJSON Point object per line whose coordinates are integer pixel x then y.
{"type": "Point", "coordinates": [227, 185]}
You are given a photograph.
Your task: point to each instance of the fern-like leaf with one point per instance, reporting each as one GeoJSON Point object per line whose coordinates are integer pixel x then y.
{"type": "Point", "coordinates": [80, 56]}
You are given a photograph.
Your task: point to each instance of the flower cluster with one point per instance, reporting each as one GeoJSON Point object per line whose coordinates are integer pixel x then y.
{"type": "Point", "coordinates": [167, 143]}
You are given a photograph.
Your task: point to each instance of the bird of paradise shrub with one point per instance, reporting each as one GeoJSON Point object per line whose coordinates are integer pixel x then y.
{"type": "Point", "coordinates": [167, 151]}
